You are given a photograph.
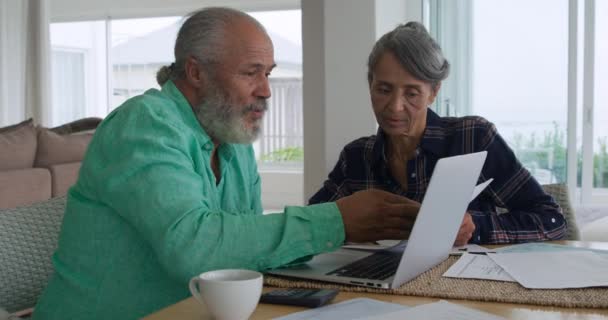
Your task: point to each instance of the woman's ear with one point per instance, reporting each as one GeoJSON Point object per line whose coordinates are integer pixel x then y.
{"type": "Point", "coordinates": [434, 92]}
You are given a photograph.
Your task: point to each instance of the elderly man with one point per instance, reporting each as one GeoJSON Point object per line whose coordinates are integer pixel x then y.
{"type": "Point", "coordinates": [169, 187]}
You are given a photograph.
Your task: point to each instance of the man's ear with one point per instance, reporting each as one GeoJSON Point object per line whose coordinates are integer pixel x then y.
{"type": "Point", "coordinates": [194, 73]}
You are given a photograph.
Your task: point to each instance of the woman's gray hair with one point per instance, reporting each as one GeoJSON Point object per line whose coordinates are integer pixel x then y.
{"type": "Point", "coordinates": [201, 36]}
{"type": "Point", "coordinates": [415, 50]}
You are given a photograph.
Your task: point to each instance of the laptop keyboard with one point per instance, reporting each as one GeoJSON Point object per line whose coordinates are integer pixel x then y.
{"type": "Point", "coordinates": [378, 266]}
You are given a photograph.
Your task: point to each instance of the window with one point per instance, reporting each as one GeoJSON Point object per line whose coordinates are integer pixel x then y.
{"type": "Point", "coordinates": [68, 76]}
{"type": "Point", "coordinates": [281, 143]}
{"type": "Point", "coordinates": [139, 48]}
{"type": "Point", "coordinates": [78, 63]}
{"type": "Point", "coordinates": [600, 110]}
{"type": "Point", "coordinates": [91, 80]}
{"type": "Point", "coordinates": [516, 74]}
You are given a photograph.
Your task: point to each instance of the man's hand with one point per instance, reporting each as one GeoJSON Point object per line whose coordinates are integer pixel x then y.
{"type": "Point", "coordinates": [467, 227]}
{"type": "Point", "coordinates": [372, 214]}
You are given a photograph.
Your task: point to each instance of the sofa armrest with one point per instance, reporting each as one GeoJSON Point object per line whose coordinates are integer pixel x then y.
{"type": "Point", "coordinates": [64, 176]}
{"type": "Point", "coordinates": [24, 186]}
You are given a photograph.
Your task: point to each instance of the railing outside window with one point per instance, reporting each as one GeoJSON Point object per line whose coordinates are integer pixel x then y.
{"type": "Point", "coordinates": [531, 94]}
{"type": "Point", "coordinates": [281, 142]}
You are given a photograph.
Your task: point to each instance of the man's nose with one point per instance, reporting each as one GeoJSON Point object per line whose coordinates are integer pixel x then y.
{"type": "Point", "coordinates": [263, 89]}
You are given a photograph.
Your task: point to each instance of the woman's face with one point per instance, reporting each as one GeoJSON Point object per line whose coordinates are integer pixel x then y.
{"type": "Point", "coordinates": [399, 100]}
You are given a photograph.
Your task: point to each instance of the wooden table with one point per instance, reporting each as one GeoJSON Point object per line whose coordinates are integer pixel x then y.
{"type": "Point", "coordinates": [191, 309]}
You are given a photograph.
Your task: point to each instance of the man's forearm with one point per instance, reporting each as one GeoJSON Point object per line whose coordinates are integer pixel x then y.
{"type": "Point", "coordinates": [255, 242]}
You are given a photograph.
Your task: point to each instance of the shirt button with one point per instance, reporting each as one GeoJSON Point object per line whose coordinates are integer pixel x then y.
{"type": "Point", "coordinates": [330, 244]}
{"type": "Point", "coordinates": [553, 220]}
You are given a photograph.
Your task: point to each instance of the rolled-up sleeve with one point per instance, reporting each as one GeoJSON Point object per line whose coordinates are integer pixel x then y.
{"type": "Point", "coordinates": [531, 214]}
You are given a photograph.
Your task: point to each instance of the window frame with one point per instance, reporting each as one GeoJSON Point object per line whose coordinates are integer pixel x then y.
{"type": "Point", "coordinates": [581, 21]}
{"type": "Point", "coordinates": [286, 185]}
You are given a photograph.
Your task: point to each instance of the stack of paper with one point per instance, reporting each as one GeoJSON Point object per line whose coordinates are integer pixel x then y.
{"type": "Point", "coordinates": [537, 266]}
{"type": "Point", "coordinates": [555, 270]}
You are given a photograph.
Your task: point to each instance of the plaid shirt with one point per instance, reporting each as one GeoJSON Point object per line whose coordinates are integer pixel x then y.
{"type": "Point", "coordinates": [513, 208]}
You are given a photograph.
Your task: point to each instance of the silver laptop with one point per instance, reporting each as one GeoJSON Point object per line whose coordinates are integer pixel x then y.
{"type": "Point", "coordinates": [430, 241]}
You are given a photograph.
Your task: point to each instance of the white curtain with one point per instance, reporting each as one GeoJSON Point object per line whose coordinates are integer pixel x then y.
{"type": "Point", "coordinates": [24, 61]}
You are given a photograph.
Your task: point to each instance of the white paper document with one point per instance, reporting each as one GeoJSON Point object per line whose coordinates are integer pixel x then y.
{"type": "Point", "coordinates": [349, 309]}
{"type": "Point", "coordinates": [477, 266]}
{"type": "Point", "coordinates": [555, 269]}
{"type": "Point", "coordinates": [441, 310]}
{"type": "Point", "coordinates": [480, 187]}
{"type": "Point", "coordinates": [545, 247]}
{"type": "Point", "coordinates": [395, 245]}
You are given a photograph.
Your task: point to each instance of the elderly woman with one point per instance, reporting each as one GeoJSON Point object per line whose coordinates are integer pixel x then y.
{"type": "Point", "coordinates": [405, 70]}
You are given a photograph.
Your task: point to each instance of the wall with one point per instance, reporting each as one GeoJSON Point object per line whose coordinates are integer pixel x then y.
{"type": "Point", "coordinates": [74, 10]}
{"type": "Point", "coordinates": [337, 37]}
{"type": "Point", "coordinates": [280, 189]}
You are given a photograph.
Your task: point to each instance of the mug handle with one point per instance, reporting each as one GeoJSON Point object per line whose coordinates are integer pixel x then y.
{"type": "Point", "coordinates": [194, 289]}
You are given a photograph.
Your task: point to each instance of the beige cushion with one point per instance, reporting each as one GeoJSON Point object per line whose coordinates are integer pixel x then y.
{"type": "Point", "coordinates": [54, 148]}
{"type": "Point", "coordinates": [18, 145]}
{"type": "Point", "coordinates": [63, 176]}
{"type": "Point", "coordinates": [24, 186]}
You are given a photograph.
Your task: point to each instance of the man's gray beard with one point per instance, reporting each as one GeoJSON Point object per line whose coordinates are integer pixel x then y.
{"type": "Point", "coordinates": [222, 121]}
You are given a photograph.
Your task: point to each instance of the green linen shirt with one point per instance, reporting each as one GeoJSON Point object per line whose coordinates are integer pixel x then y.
{"type": "Point", "coordinates": [146, 215]}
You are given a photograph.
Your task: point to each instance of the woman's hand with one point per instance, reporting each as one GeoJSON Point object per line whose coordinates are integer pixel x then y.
{"type": "Point", "coordinates": [467, 227]}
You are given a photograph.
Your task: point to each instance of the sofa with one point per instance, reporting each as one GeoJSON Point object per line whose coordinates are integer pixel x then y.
{"type": "Point", "coordinates": [38, 163]}
{"type": "Point", "coordinates": [29, 236]}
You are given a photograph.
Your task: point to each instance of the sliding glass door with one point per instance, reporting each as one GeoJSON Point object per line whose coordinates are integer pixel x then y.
{"type": "Point", "coordinates": [525, 66]}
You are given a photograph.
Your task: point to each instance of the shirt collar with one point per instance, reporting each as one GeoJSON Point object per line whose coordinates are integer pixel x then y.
{"type": "Point", "coordinates": [185, 109]}
{"type": "Point", "coordinates": [433, 139]}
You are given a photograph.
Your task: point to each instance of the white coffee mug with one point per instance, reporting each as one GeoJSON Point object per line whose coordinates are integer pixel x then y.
{"type": "Point", "coordinates": [229, 294]}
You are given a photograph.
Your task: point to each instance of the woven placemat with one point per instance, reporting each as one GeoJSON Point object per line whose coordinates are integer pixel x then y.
{"type": "Point", "coordinates": [432, 284]}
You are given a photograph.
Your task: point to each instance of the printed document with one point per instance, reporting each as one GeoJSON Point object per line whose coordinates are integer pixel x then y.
{"type": "Point", "coordinates": [477, 266]}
